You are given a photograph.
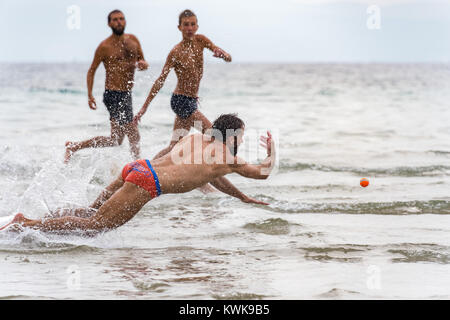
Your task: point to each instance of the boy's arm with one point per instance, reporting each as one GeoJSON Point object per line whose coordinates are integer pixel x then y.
{"type": "Point", "coordinates": [98, 58]}
{"type": "Point", "coordinates": [218, 52]}
{"type": "Point", "coordinates": [170, 63]}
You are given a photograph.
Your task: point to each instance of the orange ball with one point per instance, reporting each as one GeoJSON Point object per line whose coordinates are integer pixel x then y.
{"type": "Point", "coordinates": [364, 182]}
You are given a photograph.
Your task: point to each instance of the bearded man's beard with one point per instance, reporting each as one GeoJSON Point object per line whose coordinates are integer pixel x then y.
{"type": "Point", "coordinates": [117, 31]}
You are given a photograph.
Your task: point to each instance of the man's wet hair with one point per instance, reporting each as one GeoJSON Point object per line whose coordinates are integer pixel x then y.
{"type": "Point", "coordinates": [227, 122]}
{"type": "Point", "coordinates": [185, 14]}
{"type": "Point", "coordinates": [111, 13]}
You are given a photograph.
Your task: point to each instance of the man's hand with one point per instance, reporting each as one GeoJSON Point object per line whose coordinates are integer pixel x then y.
{"type": "Point", "coordinates": [267, 143]}
{"type": "Point", "coordinates": [219, 53]}
{"type": "Point", "coordinates": [251, 200]}
{"type": "Point", "coordinates": [92, 103]}
{"type": "Point", "coordinates": [142, 65]}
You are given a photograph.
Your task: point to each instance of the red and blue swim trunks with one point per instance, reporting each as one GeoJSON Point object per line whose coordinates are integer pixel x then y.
{"type": "Point", "coordinates": [142, 174]}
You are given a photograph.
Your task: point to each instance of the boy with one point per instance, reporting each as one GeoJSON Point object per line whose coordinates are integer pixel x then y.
{"type": "Point", "coordinates": [187, 60]}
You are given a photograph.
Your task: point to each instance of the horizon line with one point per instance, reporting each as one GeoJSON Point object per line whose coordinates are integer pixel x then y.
{"type": "Point", "coordinates": [250, 62]}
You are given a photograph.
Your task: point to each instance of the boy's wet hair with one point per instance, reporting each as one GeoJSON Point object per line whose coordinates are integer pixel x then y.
{"type": "Point", "coordinates": [185, 14]}
{"type": "Point", "coordinates": [114, 11]}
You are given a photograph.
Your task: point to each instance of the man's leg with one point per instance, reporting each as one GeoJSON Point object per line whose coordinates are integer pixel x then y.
{"type": "Point", "coordinates": [107, 193]}
{"type": "Point", "coordinates": [116, 211]}
{"type": "Point", "coordinates": [115, 139]}
{"type": "Point", "coordinates": [132, 132]}
{"type": "Point", "coordinates": [83, 212]}
{"type": "Point", "coordinates": [86, 212]}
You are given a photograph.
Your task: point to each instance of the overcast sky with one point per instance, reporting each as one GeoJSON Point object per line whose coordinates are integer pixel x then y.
{"type": "Point", "coordinates": [251, 30]}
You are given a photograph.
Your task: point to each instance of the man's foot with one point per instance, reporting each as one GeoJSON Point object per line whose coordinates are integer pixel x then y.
{"type": "Point", "coordinates": [18, 218]}
{"type": "Point", "coordinates": [207, 188]}
{"type": "Point", "coordinates": [70, 150]}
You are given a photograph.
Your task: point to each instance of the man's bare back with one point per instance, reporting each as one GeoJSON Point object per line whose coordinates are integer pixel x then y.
{"type": "Point", "coordinates": [188, 166]}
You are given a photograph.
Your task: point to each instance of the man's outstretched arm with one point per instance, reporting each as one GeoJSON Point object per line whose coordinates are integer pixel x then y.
{"type": "Point", "coordinates": [262, 170]}
{"type": "Point", "coordinates": [224, 185]}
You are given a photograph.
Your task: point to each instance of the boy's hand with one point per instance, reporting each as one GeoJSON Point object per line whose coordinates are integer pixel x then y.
{"type": "Point", "coordinates": [219, 53]}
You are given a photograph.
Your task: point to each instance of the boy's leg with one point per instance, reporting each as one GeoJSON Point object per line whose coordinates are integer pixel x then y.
{"type": "Point", "coordinates": [132, 132]}
{"type": "Point", "coordinates": [181, 129]}
{"type": "Point", "coordinates": [205, 124]}
{"type": "Point", "coordinates": [197, 116]}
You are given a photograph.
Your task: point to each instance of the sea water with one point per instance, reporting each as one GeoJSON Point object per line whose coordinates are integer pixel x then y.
{"type": "Point", "coordinates": [322, 236]}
